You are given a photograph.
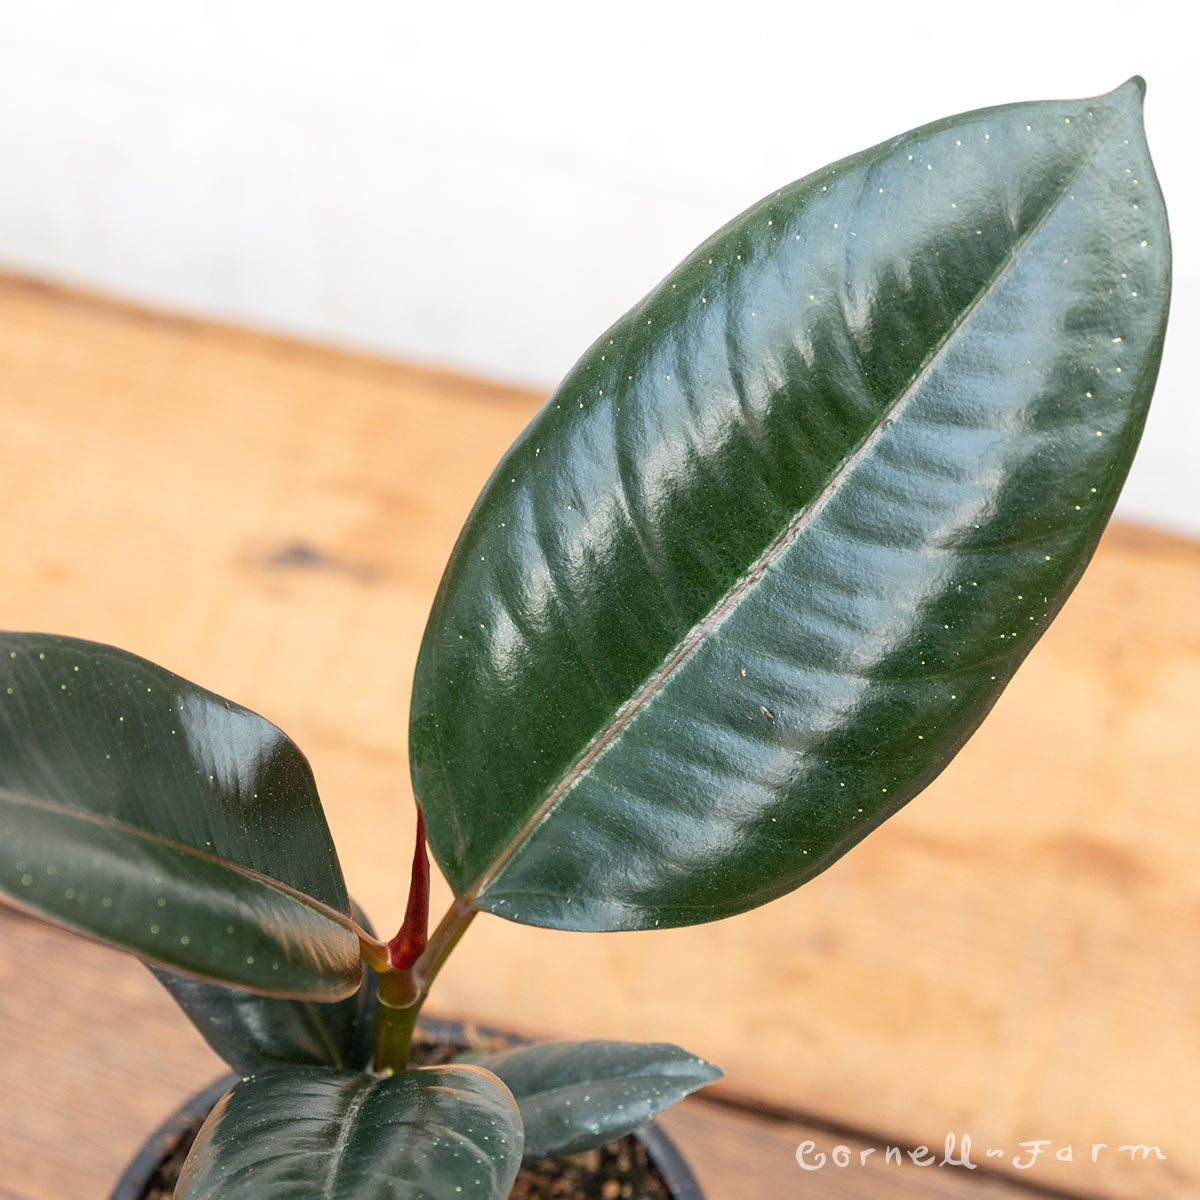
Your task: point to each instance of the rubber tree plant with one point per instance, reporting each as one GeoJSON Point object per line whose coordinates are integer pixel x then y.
{"type": "Point", "coordinates": [742, 588]}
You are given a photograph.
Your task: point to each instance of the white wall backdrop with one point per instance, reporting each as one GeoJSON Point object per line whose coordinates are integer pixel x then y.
{"type": "Point", "coordinates": [489, 185]}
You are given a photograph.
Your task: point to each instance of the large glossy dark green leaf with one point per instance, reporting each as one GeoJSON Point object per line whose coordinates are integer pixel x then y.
{"type": "Point", "coordinates": [302, 1133]}
{"type": "Point", "coordinates": [577, 1095]}
{"type": "Point", "coordinates": [253, 1033]}
{"type": "Point", "coordinates": [144, 811]}
{"type": "Point", "coordinates": [771, 551]}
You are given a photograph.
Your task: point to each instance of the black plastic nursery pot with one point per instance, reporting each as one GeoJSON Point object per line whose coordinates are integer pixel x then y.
{"type": "Point", "coordinates": [177, 1132]}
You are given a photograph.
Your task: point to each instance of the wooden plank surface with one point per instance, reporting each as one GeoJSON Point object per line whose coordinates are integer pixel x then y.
{"type": "Point", "coordinates": [1013, 956]}
{"type": "Point", "coordinates": [78, 1124]}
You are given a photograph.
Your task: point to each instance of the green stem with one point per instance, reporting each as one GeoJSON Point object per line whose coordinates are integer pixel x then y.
{"type": "Point", "coordinates": [402, 993]}
{"type": "Point", "coordinates": [394, 1023]}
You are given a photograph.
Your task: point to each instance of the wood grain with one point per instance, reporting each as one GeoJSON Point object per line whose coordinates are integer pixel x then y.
{"type": "Point", "coordinates": [81, 1122]}
{"type": "Point", "coordinates": [1012, 956]}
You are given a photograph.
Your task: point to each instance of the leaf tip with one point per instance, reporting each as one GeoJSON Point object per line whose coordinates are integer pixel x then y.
{"type": "Point", "coordinates": [1133, 91]}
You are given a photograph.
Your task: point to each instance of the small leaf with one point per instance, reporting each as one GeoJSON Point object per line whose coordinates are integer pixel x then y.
{"type": "Point", "coordinates": [574, 1096]}
{"type": "Point", "coordinates": [774, 547]}
{"type": "Point", "coordinates": [146, 812]}
{"type": "Point", "coordinates": [253, 1033]}
{"type": "Point", "coordinates": [302, 1133]}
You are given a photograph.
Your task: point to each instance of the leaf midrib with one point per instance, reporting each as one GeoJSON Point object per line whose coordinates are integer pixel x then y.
{"type": "Point", "coordinates": [118, 826]}
{"type": "Point", "coordinates": [714, 619]}
{"type": "Point", "coordinates": [338, 1153]}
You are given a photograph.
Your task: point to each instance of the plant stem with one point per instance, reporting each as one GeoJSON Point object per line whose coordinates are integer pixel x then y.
{"type": "Point", "coordinates": [402, 993]}
{"type": "Point", "coordinates": [399, 1004]}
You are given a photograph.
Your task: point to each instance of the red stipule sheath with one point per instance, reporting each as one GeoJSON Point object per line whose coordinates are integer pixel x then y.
{"type": "Point", "coordinates": [409, 944]}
